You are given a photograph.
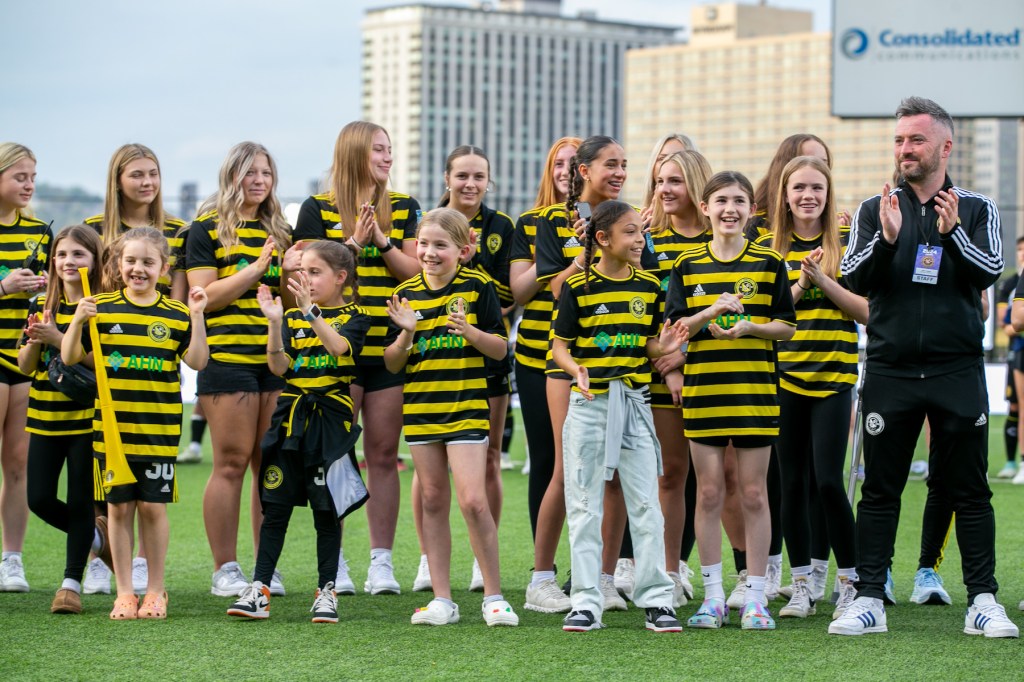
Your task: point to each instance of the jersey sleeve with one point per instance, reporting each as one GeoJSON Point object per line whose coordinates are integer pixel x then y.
{"type": "Point", "coordinates": [522, 246]}
{"type": "Point", "coordinates": [309, 225]}
{"type": "Point", "coordinates": [488, 311]}
{"type": "Point", "coordinates": [354, 332]}
{"type": "Point", "coordinates": [550, 261]}
{"type": "Point", "coordinates": [567, 322]}
{"type": "Point", "coordinates": [502, 260]}
{"type": "Point", "coordinates": [403, 227]}
{"type": "Point", "coordinates": [782, 296]}
{"type": "Point", "coordinates": [201, 250]}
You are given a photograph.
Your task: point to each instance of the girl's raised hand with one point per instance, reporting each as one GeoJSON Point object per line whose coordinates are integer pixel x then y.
{"type": "Point", "coordinates": [271, 306]}
{"type": "Point", "coordinates": [727, 303]}
{"type": "Point", "coordinates": [23, 279]}
{"type": "Point", "coordinates": [262, 264]}
{"type": "Point", "coordinates": [457, 321]}
{"type": "Point", "coordinates": [646, 216]}
{"type": "Point", "coordinates": [85, 310]}
{"type": "Point", "coordinates": [365, 224]}
{"type": "Point", "coordinates": [669, 362]}
{"type": "Point", "coordinates": [673, 335]}
{"type": "Point", "coordinates": [583, 382]}
{"type": "Point", "coordinates": [293, 257]}
{"type": "Point", "coordinates": [300, 289]}
{"type": "Point", "coordinates": [844, 218]}
{"type": "Point", "coordinates": [44, 331]}
{"type": "Point", "coordinates": [474, 238]}
{"type": "Point", "coordinates": [197, 299]}
{"type": "Point", "coordinates": [401, 314]}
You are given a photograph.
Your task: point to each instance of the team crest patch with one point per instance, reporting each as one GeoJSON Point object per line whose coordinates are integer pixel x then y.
{"type": "Point", "coordinates": [746, 288]}
{"type": "Point", "coordinates": [158, 332]}
{"type": "Point", "coordinates": [336, 325]}
{"type": "Point", "coordinates": [874, 424]}
{"type": "Point", "coordinates": [31, 244]}
{"type": "Point", "coordinates": [494, 243]}
{"type": "Point", "coordinates": [273, 477]}
{"type": "Point", "coordinates": [638, 307]}
{"type": "Point", "coordinates": [453, 305]}
{"type": "Point", "coordinates": [108, 477]}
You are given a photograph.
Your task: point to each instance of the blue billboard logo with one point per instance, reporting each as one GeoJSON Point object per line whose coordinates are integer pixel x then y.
{"type": "Point", "coordinates": [854, 44]}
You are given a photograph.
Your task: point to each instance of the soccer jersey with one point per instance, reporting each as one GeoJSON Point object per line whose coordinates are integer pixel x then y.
{"type": "Point", "coordinates": [730, 385]}
{"type": "Point", "coordinates": [22, 242]}
{"type": "Point", "coordinates": [494, 232]}
{"type": "Point", "coordinates": [757, 227]}
{"type": "Point", "coordinates": [319, 219]}
{"type": "Point", "coordinates": [237, 333]}
{"type": "Point", "coordinates": [50, 412]}
{"type": "Point", "coordinates": [446, 378]}
{"type": "Point", "coordinates": [821, 358]}
{"type": "Point", "coordinates": [141, 350]}
{"type": "Point", "coordinates": [170, 229]}
{"type": "Point", "coordinates": [607, 327]}
{"type": "Point", "coordinates": [535, 327]}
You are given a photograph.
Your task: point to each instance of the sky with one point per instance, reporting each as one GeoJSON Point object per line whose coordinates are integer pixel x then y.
{"type": "Point", "coordinates": [191, 78]}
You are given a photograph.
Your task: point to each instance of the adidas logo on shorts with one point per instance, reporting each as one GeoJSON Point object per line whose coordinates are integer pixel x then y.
{"type": "Point", "coordinates": [116, 329]}
{"type": "Point", "coordinates": [602, 310]}
{"type": "Point", "coordinates": [982, 420]}
{"type": "Point", "coordinates": [166, 488]}
{"type": "Point", "coordinates": [698, 290]}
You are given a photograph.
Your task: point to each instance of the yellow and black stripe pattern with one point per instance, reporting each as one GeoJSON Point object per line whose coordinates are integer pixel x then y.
{"type": "Point", "coordinates": [141, 348]}
{"type": "Point", "coordinates": [18, 242]}
{"type": "Point", "coordinates": [311, 368]}
{"type": "Point", "coordinates": [494, 232]}
{"type": "Point", "coordinates": [730, 385]}
{"type": "Point", "coordinates": [757, 227]}
{"type": "Point", "coordinates": [50, 412]}
{"type": "Point", "coordinates": [170, 230]}
{"type": "Point", "coordinates": [446, 378]}
{"type": "Point", "coordinates": [608, 327]}
{"type": "Point", "coordinates": [237, 333]}
{"type": "Point", "coordinates": [821, 358]}
{"type": "Point", "coordinates": [319, 219]}
{"type": "Point", "coordinates": [535, 327]}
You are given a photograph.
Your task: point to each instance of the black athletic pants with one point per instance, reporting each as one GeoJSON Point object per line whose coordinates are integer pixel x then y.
{"type": "Point", "coordinates": [273, 530]}
{"type": "Point", "coordinates": [46, 458]}
{"type": "Point", "coordinates": [533, 402]}
{"type": "Point", "coordinates": [956, 405]}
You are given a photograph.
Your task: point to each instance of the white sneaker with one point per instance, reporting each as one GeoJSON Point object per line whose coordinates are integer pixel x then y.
{"type": "Point", "coordinates": [988, 618]}
{"type": "Point", "coordinates": [772, 581]}
{"type": "Point", "coordinates": [546, 597]}
{"type": "Point", "coordinates": [380, 579]}
{"type": "Point", "coordinates": [1019, 478]}
{"type": "Point", "coordinates": [343, 582]}
{"type": "Point", "coordinates": [685, 574]}
{"type": "Point", "coordinates": [97, 578]}
{"type": "Point", "coordinates": [613, 601]}
{"type": "Point", "coordinates": [422, 583]}
{"type": "Point", "coordinates": [192, 454]}
{"type": "Point", "coordinates": [525, 471]}
{"type": "Point", "coordinates": [229, 581]}
{"type": "Point", "coordinates": [625, 577]}
{"type": "Point", "coordinates": [800, 604]}
{"type": "Point", "coordinates": [1009, 470]}
{"type": "Point", "coordinates": [12, 575]}
{"type": "Point", "coordinates": [678, 591]}
{"type": "Point", "coordinates": [865, 615]}
{"type": "Point", "coordinates": [738, 597]}
{"type": "Point", "coordinates": [140, 575]}
{"type": "Point", "coordinates": [436, 613]}
{"type": "Point", "coordinates": [476, 582]}
{"type": "Point", "coordinates": [506, 462]}
{"type": "Point", "coordinates": [847, 593]}
{"type": "Point", "coordinates": [818, 582]}
{"type": "Point", "coordinates": [276, 585]}
{"type": "Point", "coordinates": [499, 613]}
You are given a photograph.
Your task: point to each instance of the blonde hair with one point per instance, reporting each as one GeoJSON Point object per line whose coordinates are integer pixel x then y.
{"type": "Point", "coordinates": [788, 150]}
{"type": "Point", "coordinates": [696, 170]}
{"type": "Point", "coordinates": [229, 198]}
{"type": "Point", "coordinates": [782, 228]}
{"type": "Point", "coordinates": [451, 221]}
{"type": "Point", "coordinates": [10, 154]}
{"type": "Point", "coordinates": [547, 193]}
{"type": "Point", "coordinates": [351, 181]}
{"type": "Point", "coordinates": [112, 206]}
{"type": "Point", "coordinates": [653, 166]}
{"type": "Point", "coordinates": [112, 280]}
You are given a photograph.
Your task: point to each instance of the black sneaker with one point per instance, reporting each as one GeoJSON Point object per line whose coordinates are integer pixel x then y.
{"type": "Point", "coordinates": [581, 621]}
{"type": "Point", "coordinates": [567, 585]}
{"type": "Point", "coordinates": [325, 606]}
{"type": "Point", "coordinates": [663, 619]}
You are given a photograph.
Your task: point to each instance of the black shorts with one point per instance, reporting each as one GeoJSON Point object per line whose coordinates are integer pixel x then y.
{"type": "Point", "coordinates": [742, 442]}
{"type": "Point", "coordinates": [154, 482]}
{"type": "Point", "coordinates": [498, 385]}
{"type": "Point", "coordinates": [285, 480]}
{"type": "Point", "coordinates": [1011, 385]}
{"type": "Point", "coordinates": [1017, 362]}
{"type": "Point", "coordinates": [223, 377]}
{"type": "Point", "coordinates": [376, 378]}
{"type": "Point", "coordinates": [12, 377]}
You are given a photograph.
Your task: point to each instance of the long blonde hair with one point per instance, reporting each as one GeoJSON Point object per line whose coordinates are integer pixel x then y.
{"type": "Point", "coordinates": [653, 166]}
{"type": "Point", "coordinates": [351, 181]}
{"type": "Point", "coordinates": [112, 206]}
{"type": "Point", "coordinates": [696, 170]}
{"type": "Point", "coordinates": [10, 154]}
{"type": "Point", "coordinates": [547, 193]}
{"type": "Point", "coordinates": [782, 228]}
{"type": "Point", "coordinates": [229, 198]}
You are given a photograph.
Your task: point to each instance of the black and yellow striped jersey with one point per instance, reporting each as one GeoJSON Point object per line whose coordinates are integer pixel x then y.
{"type": "Point", "coordinates": [319, 219]}
{"type": "Point", "coordinates": [237, 333]}
{"type": "Point", "coordinates": [311, 368]}
{"type": "Point", "coordinates": [821, 358]}
{"type": "Point", "coordinates": [446, 378]}
{"type": "Point", "coordinates": [19, 242]}
{"type": "Point", "coordinates": [142, 347]}
{"type": "Point", "coordinates": [730, 385]}
{"type": "Point", "coordinates": [170, 230]}
{"type": "Point", "coordinates": [535, 327]}
{"type": "Point", "coordinates": [50, 412]}
{"type": "Point", "coordinates": [668, 244]}
{"type": "Point", "coordinates": [607, 327]}
{"type": "Point", "coordinates": [757, 227]}
{"type": "Point", "coordinates": [494, 232]}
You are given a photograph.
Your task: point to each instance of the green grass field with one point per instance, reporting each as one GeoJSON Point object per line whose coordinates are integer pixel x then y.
{"type": "Point", "coordinates": [374, 639]}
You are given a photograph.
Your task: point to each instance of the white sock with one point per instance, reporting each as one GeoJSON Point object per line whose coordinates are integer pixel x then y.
{"type": "Point", "coordinates": [984, 599]}
{"type": "Point", "coordinates": [8, 555]}
{"type": "Point", "coordinates": [819, 563]}
{"type": "Point", "coordinates": [97, 542]}
{"type": "Point", "coordinates": [541, 576]}
{"type": "Point", "coordinates": [755, 589]}
{"type": "Point", "coordinates": [713, 581]}
{"type": "Point", "coordinates": [847, 574]}
{"type": "Point", "coordinates": [380, 556]}
{"type": "Point", "coordinates": [800, 572]}
{"type": "Point", "coordinates": [493, 598]}
{"type": "Point", "coordinates": [775, 560]}
{"type": "Point", "coordinates": [72, 585]}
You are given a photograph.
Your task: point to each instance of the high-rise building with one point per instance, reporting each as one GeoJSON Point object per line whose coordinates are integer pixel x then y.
{"type": "Point", "coordinates": [510, 78]}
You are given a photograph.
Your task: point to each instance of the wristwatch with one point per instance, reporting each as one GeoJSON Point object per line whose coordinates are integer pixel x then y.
{"type": "Point", "coordinates": [314, 312]}
{"type": "Point", "coordinates": [387, 247]}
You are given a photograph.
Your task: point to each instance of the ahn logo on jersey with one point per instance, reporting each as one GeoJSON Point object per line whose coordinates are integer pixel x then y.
{"type": "Point", "coordinates": [698, 291]}
{"type": "Point", "coordinates": [602, 310]}
{"type": "Point", "coordinates": [572, 243]}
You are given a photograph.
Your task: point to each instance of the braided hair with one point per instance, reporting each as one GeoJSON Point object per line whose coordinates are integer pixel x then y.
{"type": "Point", "coordinates": [605, 216]}
{"type": "Point", "coordinates": [585, 155]}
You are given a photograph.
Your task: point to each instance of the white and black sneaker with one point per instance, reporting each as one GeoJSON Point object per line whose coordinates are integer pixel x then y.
{"type": "Point", "coordinates": [254, 602]}
{"type": "Point", "coordinates": [581, 621]}
{"type": "Point", "coordinates": [325, 606]}
{"type": "Point", "coordinates": [663, 619]}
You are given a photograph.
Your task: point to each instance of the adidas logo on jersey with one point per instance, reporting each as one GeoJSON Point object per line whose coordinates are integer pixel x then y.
{"type": "Point", "coordinates": [116, 329]}
{"type": "Point", "coordinates": [602, 310]}
{"type": "Point", "coordinates": [419, 315]}
{"type": "Point", "coordinates": [572, 242]}
{"type": "Point", "coordinates": [662, 255]}
{"type": "Point", "coordinates": [698, 290]}
{"type": "Point", "coordinates": [301, 334]}
{"type": "Point", "coordinates": [789, 267]}
{"type": "Point", "coordinates": [982, 420]}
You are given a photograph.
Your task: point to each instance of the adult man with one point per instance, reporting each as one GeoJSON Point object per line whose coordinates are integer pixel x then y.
{"type": "Point", "coordinates": [922, 253]}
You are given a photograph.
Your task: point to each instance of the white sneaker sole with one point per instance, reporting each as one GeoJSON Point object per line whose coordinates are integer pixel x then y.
{"type": "Point", "coordinates": [1003, 634]}
{"type": "Point", "coordinates": [387, 589]}
{"type": "Point", "coordinates": [347, 589]}
{"type": "Point", "coordinates": [796, 613]}
{"type": "Point", "coordinates": [221, 592]}
{"type": "Point", "coordinates": [417, 619]}
{"type": "Point", "coordinates": [422, 586]}
{"type": "Point", "coordinates": [503, 619]}
{"type": "Point", "coordinates": [841, 630]}
{"type": "Point", "coordinates": [16, 587]}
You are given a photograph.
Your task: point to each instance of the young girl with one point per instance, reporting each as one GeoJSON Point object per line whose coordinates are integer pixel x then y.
{"type": "Point", "coordinates": [467, 178]}
{"type": "Point", "coordinates": [666, 146]}
{"type": "Point", "coordinates": [23, 237]}
{"type": "Point", "coordinates": [734, 298]}
{"type": "Point", "coordinates": [606, 329]}
{"type": "Point", "coordinates": [143, 336]}
{"type": "Point", "coordinates": [60, 428]}
{"type": "Point", "coordinates": [358, 209]}
{"type": "Point", "coordinates": [801, 144]}
{"type": "Point", "coordinates": [446, 323]}
{"type": "Point", "coordinates": [230, 253]}
{"type": "Point", "coordinates": [308, 454]}
{"type": "Point", "coordinates": [817, 371]}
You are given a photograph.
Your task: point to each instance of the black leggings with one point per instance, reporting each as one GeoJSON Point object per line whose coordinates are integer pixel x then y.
{"type": "Point", "coordinates": [273, 530]}
{"type": "Point", "coordinates": [540, 438]}
{"type": "Point", "coordinates": [813, 437]}
{"type": "Point", "coordinates": [46, 458]}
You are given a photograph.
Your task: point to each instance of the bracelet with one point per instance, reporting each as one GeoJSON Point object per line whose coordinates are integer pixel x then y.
{"type": "Point", "coordinates": [802, 286]}
{"type": "Point", "coordinates": [357, 244]}
{"type": "Point", "coordinates": [409, 347]}
{"type": "Point", "coordinates": [578, 266]}
{"type": "Point", "coordinates": [275, 352]}
{"type": "Point", "coordinates": [2, 287]}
